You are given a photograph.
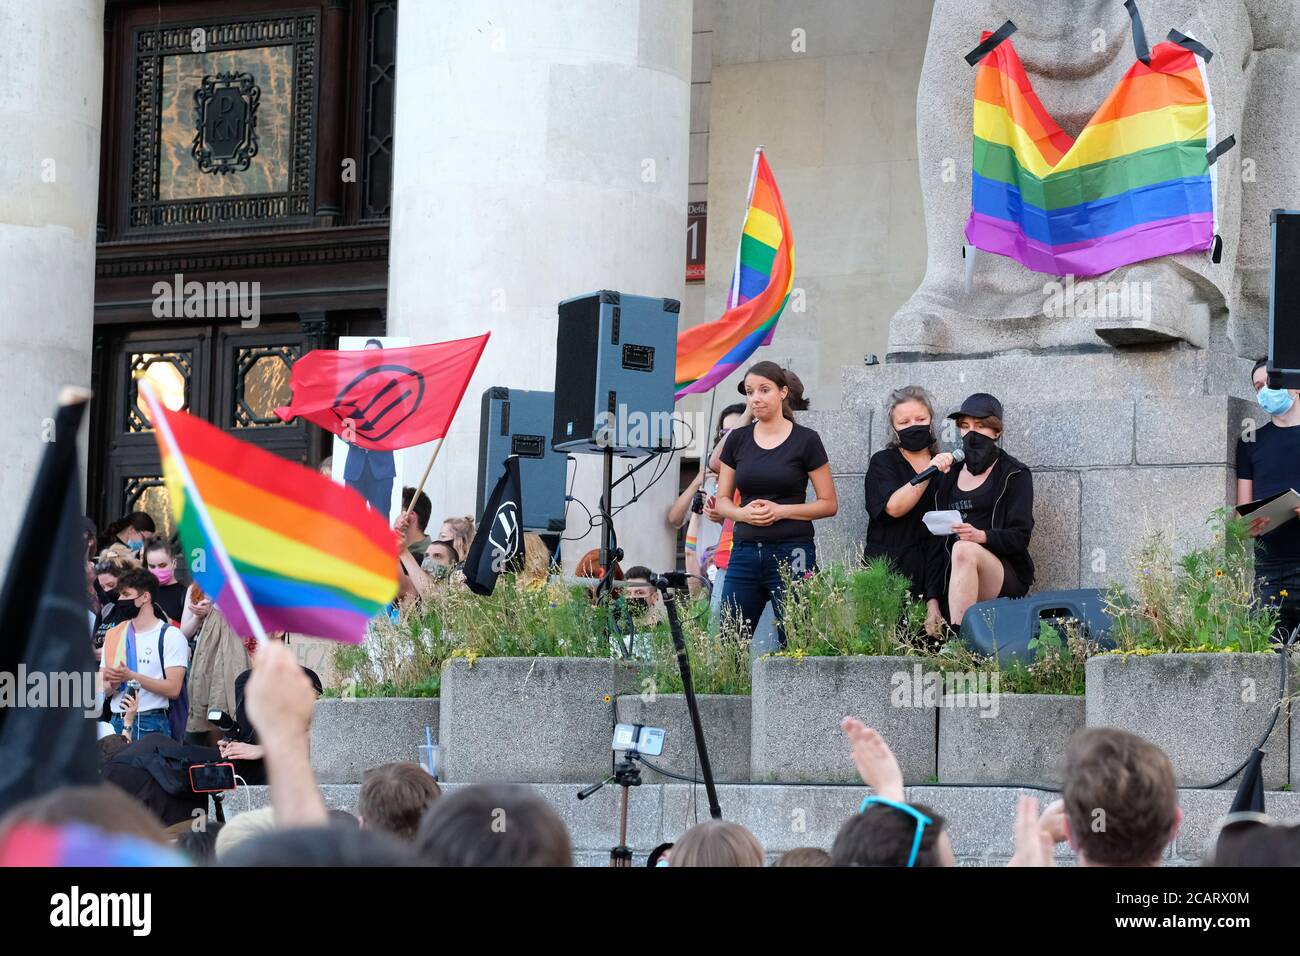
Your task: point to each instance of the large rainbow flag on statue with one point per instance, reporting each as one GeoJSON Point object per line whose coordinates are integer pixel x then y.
{"type": "Point", "coordinates": [1137, 183]}
{"type": "Point", "coordinates": [760, 287]}
{"type": "Point", "coordinates": [310, 555]}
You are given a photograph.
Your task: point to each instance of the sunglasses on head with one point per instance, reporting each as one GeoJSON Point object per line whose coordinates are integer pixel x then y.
{"type": "Point", "coordinates": [921, 821]}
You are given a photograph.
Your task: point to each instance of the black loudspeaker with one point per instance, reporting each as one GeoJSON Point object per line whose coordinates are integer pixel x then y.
{"type": "Point", "coordinates": [1284, 300]}
{"type": "Point", "coordinates": [519, 423]}
{"type": "Point", "coordinates": [615, 373]}
{"type": "Point", "coordinates": [1003, 627]}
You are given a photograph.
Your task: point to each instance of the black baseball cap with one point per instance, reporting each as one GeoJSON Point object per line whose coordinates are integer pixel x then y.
{"type": "Point", "coordinates": [979, 405]}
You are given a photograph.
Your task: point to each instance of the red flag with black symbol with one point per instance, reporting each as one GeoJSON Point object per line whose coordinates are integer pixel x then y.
{"type": "Point", "coordinates": [384, 399]}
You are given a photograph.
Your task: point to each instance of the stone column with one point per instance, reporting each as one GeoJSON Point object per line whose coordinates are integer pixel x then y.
{"type": "Point", "coordinates": [541, 152]}
{"type": "Point", "coordinates": [51, 78]}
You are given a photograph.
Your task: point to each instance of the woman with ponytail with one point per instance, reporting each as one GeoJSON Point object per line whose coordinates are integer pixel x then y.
{"type": "Point", "coordinates": [770, 463]}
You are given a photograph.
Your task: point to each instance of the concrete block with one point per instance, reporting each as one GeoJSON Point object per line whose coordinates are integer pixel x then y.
{"type": "Point", "coordinates": [1188, 431]}
{"type": "Point", "coordinates": [350, 735]}
{"type": "Point", "coordinates": [841, 537]}
{"type": "Point", "coordinates": [726, 721]}
{"type": "Point", "coordinates": [1069, 434]}
{"type": "Point", "coordinates": [529, 720]}
{"type": "Point", "coordinates": [1124, 506]}
{"type": "Point", "coordinates": [1204, 809]}
{"type": "Point", "coordinates": [782, 818]}
{"type": "Point", "coordinates": [1192, 707]}
{"type": "Point", "coordinates": [1021, 740]}
{"type": "Point", "coordinates": [980, 820]}
{"type": "Point", "coordinates": [1054, 545]}
{"type": "Point", "coordinates": [798, 705]}
{"type": "Point", "coordinates": [846, 435]}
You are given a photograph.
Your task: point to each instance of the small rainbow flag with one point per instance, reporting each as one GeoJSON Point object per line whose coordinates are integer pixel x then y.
{"type": "Point", "coordinates": [1137, 183]}
{"type": "Point", "coordinates": [284, 548]}
{"type": "Point", "coordinates": [119, 647]}
{"type": "Point", "coordinates": [760, 287]}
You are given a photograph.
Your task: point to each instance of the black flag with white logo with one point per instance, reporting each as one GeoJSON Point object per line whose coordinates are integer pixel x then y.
{"type": "Point", "coordinates": [500, 535]}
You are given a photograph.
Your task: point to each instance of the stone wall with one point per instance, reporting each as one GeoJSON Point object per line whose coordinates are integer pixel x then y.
{"type": "Point", "coordinates": [1120, 443]}
{"type": "Point", "coordinates": [980, 820]}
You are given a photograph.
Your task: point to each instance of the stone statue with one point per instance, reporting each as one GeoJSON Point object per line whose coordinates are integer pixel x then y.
{"type": "Point", "coordinates": [1075, 51]}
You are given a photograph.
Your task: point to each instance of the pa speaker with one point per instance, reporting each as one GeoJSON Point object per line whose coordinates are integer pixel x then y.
{"type": "Point", "coordinates": [519, 423]}
{"type": "Point", "coordinates": [1284, 301]}
{"type": "Point", "coordinates": [615, 373]}
{"type": "Point", "coordinates": [1004, 627]}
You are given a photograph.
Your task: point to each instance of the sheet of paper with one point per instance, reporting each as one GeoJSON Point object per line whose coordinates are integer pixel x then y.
{"type": "Point", "coordinates": [941, 522]}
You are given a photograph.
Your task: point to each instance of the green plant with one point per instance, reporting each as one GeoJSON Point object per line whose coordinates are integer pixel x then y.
{"type": "Point", "coordinates": [1057, 667]}
{"type": "Point", "coordinates": [1201, 602]}
{"type": "Point", "coordinates": [719, 659]}
{"type": "Point", "coordinates": [841, 610]}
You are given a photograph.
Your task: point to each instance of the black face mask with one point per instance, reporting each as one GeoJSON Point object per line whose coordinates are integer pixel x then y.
{"type": "Point", "coordinates": [126, 611]}
{"type": "Point", "coordinates": [915, 438]}
{"type": "Point", "coordinates": [981, 451]}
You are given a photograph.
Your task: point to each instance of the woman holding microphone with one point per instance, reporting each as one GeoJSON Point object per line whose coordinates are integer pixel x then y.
{"type": "Point", "coordinates": [770, 462]}
{"type": "Point", "coordinates": [895, 530]}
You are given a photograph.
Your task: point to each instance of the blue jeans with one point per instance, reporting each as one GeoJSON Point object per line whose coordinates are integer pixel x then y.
{"type": "Point", "coordinates": [153, 723]}
{"type": "Point", "coordinates": [764, 640]}
{"type": "Point", "coordinates": [754, 578]}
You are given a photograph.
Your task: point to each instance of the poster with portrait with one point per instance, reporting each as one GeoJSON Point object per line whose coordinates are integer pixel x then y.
{"type": "Point", "coordinates": [375, 475]}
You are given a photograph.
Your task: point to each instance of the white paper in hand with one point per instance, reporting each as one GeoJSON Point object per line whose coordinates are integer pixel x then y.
{"type": "Point", "coordinates": [941, 522]}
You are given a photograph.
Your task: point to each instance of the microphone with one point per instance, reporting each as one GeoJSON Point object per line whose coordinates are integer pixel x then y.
{"type": "Point", "coordinates": [958, 456]}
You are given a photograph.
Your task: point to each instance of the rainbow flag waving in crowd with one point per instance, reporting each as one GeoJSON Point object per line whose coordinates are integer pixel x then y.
{"type": "Point", "coordinates": [283, 547]}
{"type": "Point", "coordinates": [1136, 184]}
{"type": "Point", "coordinates": [760, 287]}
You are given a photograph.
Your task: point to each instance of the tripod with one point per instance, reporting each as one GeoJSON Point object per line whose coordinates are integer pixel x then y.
{"type": "Point", "coordinates": [627, 775]}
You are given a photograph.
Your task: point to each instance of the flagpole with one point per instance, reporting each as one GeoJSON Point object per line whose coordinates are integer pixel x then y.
{"type": "Point", "coordinates": [427, 468]}
{"type": "Point", "coordinates": [749, 198]}
{"type": "Point", "coordinates": [201, 510]}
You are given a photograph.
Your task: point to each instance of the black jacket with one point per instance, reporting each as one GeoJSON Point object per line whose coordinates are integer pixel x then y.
{"type": "Point", "coordinates": [1012, 525]}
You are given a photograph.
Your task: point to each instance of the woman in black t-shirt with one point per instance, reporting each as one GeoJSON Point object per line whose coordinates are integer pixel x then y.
{"type": "Point", "coordinates": [770, 463]}
{"type": "Point", "coordinates": [895, 505]}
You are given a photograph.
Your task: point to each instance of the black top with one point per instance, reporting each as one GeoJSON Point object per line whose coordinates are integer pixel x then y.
{"type": "Point", "coordinates": [779, 475]}
{"type": "Point", "coordinates": [1272, 462]}
{"type": "Point", "coordinates": [171, 598]}
{"type": "Point", "coordinates": [902, 540]}
{"type": "Point", "coordinates": [1002, 507]}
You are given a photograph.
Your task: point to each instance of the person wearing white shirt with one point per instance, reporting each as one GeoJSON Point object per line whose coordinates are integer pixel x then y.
{"type": "Point", "coordinates": [162, 657]}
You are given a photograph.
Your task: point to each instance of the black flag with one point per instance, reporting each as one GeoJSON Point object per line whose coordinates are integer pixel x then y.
{"type": "Point", "coordinates": [46, 740]}
{"type": "Point", "coordinates": [1250, 792]}
{"type": "Point", "coordinates": [500, 535]}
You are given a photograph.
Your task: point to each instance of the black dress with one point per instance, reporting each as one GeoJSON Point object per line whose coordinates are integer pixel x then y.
{"type": "Point", "coordinates": [904, 541]}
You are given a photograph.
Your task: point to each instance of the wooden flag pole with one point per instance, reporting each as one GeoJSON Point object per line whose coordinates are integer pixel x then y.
{"type": "Point", "coordinates": [236, 583]}
{"type": "Point", "coordinates": [427, 468]}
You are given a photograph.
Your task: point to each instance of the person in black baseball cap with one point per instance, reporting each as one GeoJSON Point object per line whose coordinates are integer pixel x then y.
{"type": "Point", "coordinates": [987, 555]}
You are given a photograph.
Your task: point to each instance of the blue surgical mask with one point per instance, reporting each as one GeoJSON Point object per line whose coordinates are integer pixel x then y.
{"type": "Point", "coordinates": [136, 545]}
{"type": "Point", "coordinates": [1275, 401]}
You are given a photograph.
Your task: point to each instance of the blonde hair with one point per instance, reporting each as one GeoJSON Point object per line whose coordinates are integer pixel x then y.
{"type": "Point", "coordinates": [717, 843]}
{"type": "Point", "coordinates": [244, 827]}
{"type": "Point", "coordinates": [537, 561]}
{"type": "Point", "coordinates": [462, 534]}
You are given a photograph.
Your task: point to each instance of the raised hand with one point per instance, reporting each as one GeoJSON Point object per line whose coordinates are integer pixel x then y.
{"type": "Point", "coordinates": [876, 763]}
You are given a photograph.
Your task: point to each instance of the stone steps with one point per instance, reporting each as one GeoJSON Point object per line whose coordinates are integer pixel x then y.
{"type": "Point", "coordinates": [980, 819]}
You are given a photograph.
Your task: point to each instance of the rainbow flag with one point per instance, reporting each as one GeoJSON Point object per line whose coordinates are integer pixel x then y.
{"type": "Point", "coordinates": [119, 647]}
{"type": "Point", "coordinates": [1136, 184]}
{"type": "Point", "coordinates": [279, 541]}
{"type": "Point", "coordinates": [760, 287]}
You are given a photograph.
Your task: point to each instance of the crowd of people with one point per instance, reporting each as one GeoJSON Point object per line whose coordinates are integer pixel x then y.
{"type": "Point", "coordinates": [403, 817]}
{"type": "Point", "coordinates": [192, 681]}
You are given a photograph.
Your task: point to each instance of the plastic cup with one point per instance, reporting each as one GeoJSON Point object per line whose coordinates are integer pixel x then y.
{"type": "Point", "coordinates": [431, 759]}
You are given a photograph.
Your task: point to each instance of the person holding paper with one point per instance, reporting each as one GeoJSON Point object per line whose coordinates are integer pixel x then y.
{"type": "Point", "coordinates": [895, 529]}
{"type": "Point", "coordinates": [1268, 463]}
{"type": "Point", "coordinates": [987, 555]}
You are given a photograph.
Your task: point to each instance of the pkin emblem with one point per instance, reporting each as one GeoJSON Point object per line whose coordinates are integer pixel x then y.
{"type": "Point", "coordinates": [225, 116]}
